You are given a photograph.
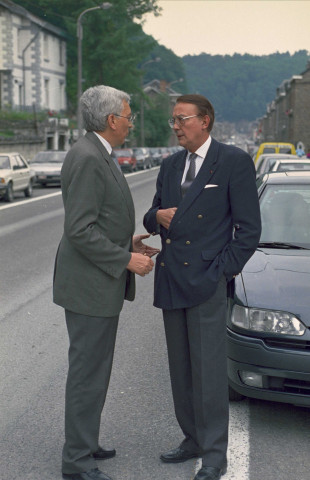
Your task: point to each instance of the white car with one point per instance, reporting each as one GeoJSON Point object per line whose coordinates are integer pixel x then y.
{"type": "Point", "coordinates": [266, 161]}
{"type": "Point", "coordinates": [47, 166]}
{"type": "Point", "coordinates": [285, 165]}
{"type": "Point", "coordinates": [15, 176]}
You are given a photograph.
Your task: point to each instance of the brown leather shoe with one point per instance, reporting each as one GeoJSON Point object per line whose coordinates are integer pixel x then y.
{"type": "Point", "coordinates": [178, 455]}
{"type": "Point", "coordinates": [103, 454]}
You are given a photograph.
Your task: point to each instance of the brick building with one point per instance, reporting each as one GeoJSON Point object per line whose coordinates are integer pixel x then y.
{"type": "Point", "coordinates": [288, 116]}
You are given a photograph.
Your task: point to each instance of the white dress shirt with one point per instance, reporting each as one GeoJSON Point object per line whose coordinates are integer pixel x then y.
{"type": "Point", "coordinates": [105, 143]}
{"type": "Point", "coordinates": [201, 153]}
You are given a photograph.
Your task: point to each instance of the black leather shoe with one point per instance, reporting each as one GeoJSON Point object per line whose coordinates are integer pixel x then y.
{"type": "Point", "coordinates": [178, 455]}
{"type": "Point", "coordinates": [94, 474]}
{"type": "Point", "coordinates": [103, 454]}
{"type": "Point", "coordinates": [210, 473]}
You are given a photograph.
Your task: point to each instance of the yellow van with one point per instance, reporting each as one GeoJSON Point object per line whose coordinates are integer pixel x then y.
{"type": "Point", "coordinates": [275, 147]}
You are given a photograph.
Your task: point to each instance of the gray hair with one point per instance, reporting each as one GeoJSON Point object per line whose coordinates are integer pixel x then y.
{"type": "Point", "coordinates": [97, 103]}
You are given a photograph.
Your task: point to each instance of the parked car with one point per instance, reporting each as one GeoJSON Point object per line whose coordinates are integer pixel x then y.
{"type": "Point", "coordinates": [164, 152]}
{"type": "Point", "coordinates": [268, 327]}
{"type": "Point", "coordinates": [286, 165]}
{"type": "Point", "coordinates": [266, 161]}
{"type": "Point", "coordinates": [126, 159]}
{"type": "Point", "coordinates": [15, 176]}
{"type": "Point", "coordinates": [144, 159]}
{"type": "Point", "coordinates": [156, 156]}
{"type": "Point", "coordinates": [275, 147]}
{"type": "Point", "coordinates": [47, 166]}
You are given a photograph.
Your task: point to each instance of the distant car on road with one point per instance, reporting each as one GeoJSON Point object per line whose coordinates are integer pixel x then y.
{"type": "Point", "coordinates": [287, 165]}
{"type": "Point", "coordinates": [156, 155]}
{"type": "Point", "coordinates": [126, 158]}
{"type": "Point", "coordinates": [266, 161]}
{"type": "Point", "coordinates": [47, 166]}
{"type": "Point", "coordinates": [144, 159]}
{"type": "Point", "coordinates": [15, 176]}
{"type": "Point", "coordinates": [275, 147]}
{"type": "Point", "coordinates": [268, 328]}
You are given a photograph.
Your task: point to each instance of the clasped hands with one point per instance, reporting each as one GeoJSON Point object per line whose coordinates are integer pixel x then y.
{"type": "Point", "coordinates": [140, 262]}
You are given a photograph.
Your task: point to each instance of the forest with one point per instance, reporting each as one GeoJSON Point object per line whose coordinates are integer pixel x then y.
{"type": "Point", "coordinates": [116, 52]}
{"type": "Point", "coordinates": [240, 86]}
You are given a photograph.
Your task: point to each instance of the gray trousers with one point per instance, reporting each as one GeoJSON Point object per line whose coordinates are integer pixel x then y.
{"type": "Point", "coordinates": [92, 342]}
{"type": "Point", "coordinates": [196, 342]}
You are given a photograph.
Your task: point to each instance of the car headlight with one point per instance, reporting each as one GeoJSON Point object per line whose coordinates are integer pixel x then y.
{"type": "Point", "coordinates": [267, 321]}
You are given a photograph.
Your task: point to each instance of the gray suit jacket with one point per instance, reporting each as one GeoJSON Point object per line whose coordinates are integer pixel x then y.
{"type": "Point", "coordinates": [90, 275]}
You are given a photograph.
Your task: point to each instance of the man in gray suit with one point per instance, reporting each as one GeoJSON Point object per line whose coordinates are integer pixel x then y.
{"type": "Point", "coordinates": [207, 213]}
{"type": "Point", "coordinates": [94, 271]}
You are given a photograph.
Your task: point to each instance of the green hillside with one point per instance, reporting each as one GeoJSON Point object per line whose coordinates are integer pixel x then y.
{"type": "Point", "coordinates": [240, 86]}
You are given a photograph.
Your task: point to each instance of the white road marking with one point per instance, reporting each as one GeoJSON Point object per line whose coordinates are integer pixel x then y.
{"type": "Point", "coordinates": [30, 200]}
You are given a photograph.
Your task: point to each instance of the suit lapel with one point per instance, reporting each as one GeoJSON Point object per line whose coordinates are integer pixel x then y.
{"type": "Point", "coordinates": [119, 177]}
{"type": "Point", "coordinates": [175, 179]}
{"type": "Point", "coordinates": [204, 176]}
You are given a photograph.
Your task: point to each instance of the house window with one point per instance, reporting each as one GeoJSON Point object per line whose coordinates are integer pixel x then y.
{"type": "Point", "coordinates": [61, 95]}
{"type": "Point", "coordinates": [46, 92]}
{"type": "Point", "coordinates": [61, 53]}
{"type": "Point", "coordinates": [45, 47]}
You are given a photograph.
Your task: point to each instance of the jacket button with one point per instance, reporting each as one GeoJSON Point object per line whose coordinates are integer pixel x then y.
{"type": "Point", "coordinates": [162, 264]}
{"type": "Point", "coordinates": [199, 216]}
{"type": "Point", "coordinates": [187, 242]}
{"type": "Point", "coordinates": [186, 264]}
{"type": "Point", "coordinates": [168, 240]}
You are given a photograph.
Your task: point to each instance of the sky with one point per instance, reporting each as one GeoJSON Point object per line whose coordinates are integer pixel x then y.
{"type": "Point", "coordinates": [225, 27]}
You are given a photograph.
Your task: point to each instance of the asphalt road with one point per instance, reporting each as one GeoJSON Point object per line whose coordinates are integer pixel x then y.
{"type": "Point", "coordinates": [268, 441]}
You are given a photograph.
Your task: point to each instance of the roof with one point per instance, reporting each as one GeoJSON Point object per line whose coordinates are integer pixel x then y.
{"type": "Point", "coordinates": [21, 11]}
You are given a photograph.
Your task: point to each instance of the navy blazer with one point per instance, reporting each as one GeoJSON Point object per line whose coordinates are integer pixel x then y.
{"type": "Point", "coordinates": [214, 231]}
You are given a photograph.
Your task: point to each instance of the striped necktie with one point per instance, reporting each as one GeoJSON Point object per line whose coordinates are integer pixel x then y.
{"type": "Point", "coordinates": [190, 175]}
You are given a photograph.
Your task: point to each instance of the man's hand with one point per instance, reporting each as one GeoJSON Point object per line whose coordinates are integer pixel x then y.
{"type": "Point", "coordinates": [165, 216]}
{"type": "Point", "coordinates": [140, 247]}
{"type": "Point", "coordinates": [140, 264]}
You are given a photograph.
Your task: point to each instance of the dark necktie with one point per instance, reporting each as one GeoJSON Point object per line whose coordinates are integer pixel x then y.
{"type": "Point", "coordinates": [190, 175]}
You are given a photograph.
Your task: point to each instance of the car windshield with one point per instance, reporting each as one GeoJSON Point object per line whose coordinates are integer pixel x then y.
{"type": "Point", "coordinates": [122, 153]}
{"type": "Point", "coordinates": [285, 149]}
{"type": "Point", "coordinates": [285, 213]}
{"type": "Point", "coordinates": [4, 162]}
{"type": "Point", "coordinates": [269, 150]}
{"type": "Point", "coordinates": [49, 157]}
{"type": "Point", "coordinates": [283, 167]}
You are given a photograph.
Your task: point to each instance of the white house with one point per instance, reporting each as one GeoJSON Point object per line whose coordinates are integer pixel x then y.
{"type": "Point", "coordinates": [32, 61]}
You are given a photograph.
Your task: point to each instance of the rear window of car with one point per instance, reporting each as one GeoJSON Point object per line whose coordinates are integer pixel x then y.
{"type": "Point", "coordinates": [270, 150]}
{"type": "Point", "coordinates": [4, 162]}
{"type": "Point", "coordinates": [122, 153]}
{"type": "Point", "coordinates": [49, 157]}
{"type": "Point", "coordinates": [285, 149]}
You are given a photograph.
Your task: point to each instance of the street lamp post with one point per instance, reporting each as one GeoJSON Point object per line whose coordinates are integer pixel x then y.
{"type": "Point", "coordinates": [180, 80]}
{"type": "Point", "coordinates": [103, 6]}
{"type": "Point", "coordinates": [157, 59]}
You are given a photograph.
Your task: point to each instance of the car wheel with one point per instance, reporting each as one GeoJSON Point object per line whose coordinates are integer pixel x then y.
{"type": "Point", "coordinates": [234, 396]}
{"type": "Point", "coordinates": [9, 194]}
{"type": "Point", "coordinates": [29, 190]}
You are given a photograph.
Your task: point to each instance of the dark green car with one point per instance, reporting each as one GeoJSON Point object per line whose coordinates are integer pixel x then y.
{"type": "Point", "coordinates": [269, 309]}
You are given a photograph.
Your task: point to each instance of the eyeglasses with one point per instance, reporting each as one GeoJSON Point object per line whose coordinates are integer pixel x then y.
{"type": "Point", "coordinates": [179, 120]}
{"type": "Point", "coordinates": [131, 118]}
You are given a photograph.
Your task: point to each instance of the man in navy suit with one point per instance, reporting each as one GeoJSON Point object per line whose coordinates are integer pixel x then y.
{"type": "Point", "coordinates": [207, 213]}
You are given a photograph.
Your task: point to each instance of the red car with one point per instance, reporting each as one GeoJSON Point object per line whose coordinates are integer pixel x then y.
{"type": "Point", "coordinates": [126, 159]}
